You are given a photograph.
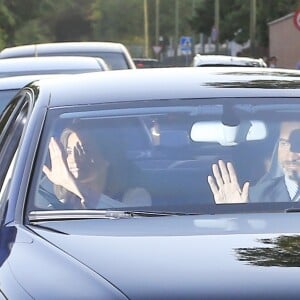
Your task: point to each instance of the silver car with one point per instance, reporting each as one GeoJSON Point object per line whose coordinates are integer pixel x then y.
{"type": "Point", "coordinates": [116, 55]}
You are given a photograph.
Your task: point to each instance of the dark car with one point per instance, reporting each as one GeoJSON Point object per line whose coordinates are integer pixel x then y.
{"type": "Point", "coordinates": [115, 55]}
{"type": "Point", "coordinates": [105, 194]}
{"type": "Point", "coordinates": [147, 62]}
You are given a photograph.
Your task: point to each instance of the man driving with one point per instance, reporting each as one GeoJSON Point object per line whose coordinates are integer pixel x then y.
{"type": "Point", "coordinates": [280, 184]}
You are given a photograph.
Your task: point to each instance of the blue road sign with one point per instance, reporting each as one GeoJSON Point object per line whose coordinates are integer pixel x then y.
{"type": "Point", "coordinates": [186, 44]}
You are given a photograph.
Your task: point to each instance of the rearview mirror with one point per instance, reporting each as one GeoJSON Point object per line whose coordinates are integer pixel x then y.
{"type": "Point", "coordinates": [217, 132]}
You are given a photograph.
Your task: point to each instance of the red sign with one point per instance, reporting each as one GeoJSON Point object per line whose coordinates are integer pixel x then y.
{"type": "Point", "coordinates": [156, 49]}
{"type": "Point", "coordinates": [297, 19]}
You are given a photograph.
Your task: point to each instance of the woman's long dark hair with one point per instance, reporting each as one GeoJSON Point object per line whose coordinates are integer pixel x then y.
{"type": "Point", "coordinates": [100, 145]}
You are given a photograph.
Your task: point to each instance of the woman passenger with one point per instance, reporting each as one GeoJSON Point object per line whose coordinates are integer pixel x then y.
{"type": "Point", "coordinates": [90, 172]}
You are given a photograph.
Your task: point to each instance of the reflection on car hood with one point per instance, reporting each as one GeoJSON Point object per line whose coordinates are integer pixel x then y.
{"type": "Point", "coordinates": [223, 263]}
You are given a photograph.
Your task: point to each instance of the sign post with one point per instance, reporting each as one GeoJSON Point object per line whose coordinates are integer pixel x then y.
{"type": "Point", "coordinates": [186, 47]}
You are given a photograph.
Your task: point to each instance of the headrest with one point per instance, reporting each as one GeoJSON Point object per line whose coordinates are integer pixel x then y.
{"type": "Point", "coordinates": [295, 140]}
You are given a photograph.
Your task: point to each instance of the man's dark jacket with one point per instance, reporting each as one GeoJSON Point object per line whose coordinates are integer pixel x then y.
{"type": "Point", "coordinates": [269, 190]}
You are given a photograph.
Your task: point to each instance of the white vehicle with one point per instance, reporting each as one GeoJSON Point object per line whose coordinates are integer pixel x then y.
{"type": "Point", "coordinates": [115, 55]}
{"type": "Point", "coordinates": [226, 60]}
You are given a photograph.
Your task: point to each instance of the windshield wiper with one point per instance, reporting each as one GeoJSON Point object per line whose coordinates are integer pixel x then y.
{"type": "Point", "coordinates": [293, 209]}
{"type": "Point", "coordinates": [59, 215]}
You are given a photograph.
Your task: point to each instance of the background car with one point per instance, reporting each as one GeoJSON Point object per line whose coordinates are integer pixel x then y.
{"type": "Point", "coordinates": [15, 73]}
{"type": "Point", "coordinates": [50, 65]}
{"type": "Point", "coordinates": [115, 55]}
{"type": "Point", "coordinates": [163, 138]}
{"type": "Point", "coordinates": [147, 62]}
{"type": "Point", "coordinates": [10, 86]}
{"type": "Point", "coordinates": [200, 60]}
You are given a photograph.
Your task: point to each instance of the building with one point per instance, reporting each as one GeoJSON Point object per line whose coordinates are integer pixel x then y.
{"type": "Point", "coordinates": [284, 41]}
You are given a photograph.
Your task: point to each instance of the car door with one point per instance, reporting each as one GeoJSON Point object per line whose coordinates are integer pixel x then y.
{"type": "Point", "coordinates": [12, 125]}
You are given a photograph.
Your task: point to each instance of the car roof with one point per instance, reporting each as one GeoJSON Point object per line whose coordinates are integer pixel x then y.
{"type": "Point", "coordinates": [214, 60]}
{"type": "Point", "coordinates": [17, 82]}
{"type": "Point", "coordinates": [48, 65]}
{"type": "Point", "coordinates": [115, 55]}
{"type": "Point", "coordinates": [34, 49]}
{"type": "Point", "coordinates": [171, 83]}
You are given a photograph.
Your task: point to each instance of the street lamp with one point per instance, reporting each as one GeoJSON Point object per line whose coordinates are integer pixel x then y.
{"type": "Point", "coordinates": [146, 34]}
{"type": "Point", "coordinates": [252, 27]}
{"type": "Point", "coordinates": [176, 29]}
{"type": "Point", "coordinates": [217, 24]}
{"type": "Point", "coordinates": [157, 22]}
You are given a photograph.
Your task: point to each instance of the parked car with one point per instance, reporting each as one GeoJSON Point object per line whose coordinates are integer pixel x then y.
{"type": "Point", "coordinates": [200, 60]}
{"type": "Point", "coordinates": [147, 63]}
{"type": "Point", "coordinates": [115, 55]}
{"type": "Point", "coordinates": [149, 226]}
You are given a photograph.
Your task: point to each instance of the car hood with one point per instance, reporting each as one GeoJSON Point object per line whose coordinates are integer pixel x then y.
{"type": "Point", "coordinates": [188, 258]}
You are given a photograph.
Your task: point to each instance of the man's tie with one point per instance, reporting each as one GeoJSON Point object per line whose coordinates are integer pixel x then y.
{"type": "Point", "coordinates": [297, 196]}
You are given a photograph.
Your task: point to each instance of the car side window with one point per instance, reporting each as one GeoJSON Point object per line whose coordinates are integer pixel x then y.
{"type": "Point", "coordinates": [12, 124]}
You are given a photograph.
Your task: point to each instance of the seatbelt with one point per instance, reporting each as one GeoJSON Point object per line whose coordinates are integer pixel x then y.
{"type": "Point", "coordinates": [296, 198]}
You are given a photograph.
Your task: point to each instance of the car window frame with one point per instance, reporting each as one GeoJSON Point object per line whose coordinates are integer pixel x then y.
{"type": "Point", "coordinates": [13, 121]}
{"type": "Point", "coordinates": [104, 110]}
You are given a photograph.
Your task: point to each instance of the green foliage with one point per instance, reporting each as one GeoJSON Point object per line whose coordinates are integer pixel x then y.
{"type": "Point", "coordinates": [117, 20]}
{"type": "Point", "coordinates": [33, 32]}
{"type": "Point", "coordinates": [34, 21]}
{"type": "Point", "coordinates": [235, 18]}
{"type": "Point", "coordinates": [269, 10]}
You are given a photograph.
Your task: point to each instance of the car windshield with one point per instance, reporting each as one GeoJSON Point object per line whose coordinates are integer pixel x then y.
{"type": "Point", "coordinates": [159, 157]}
{"type": "Point", "coordinates": [114, 60]}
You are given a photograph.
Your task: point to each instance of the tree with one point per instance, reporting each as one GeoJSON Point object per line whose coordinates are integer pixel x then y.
{"type": "Point", "coordinates": [268, 11]}
{"type": "Point", "coordinates": [235, 18]}
{"type": "Point", "coordinates": [117, 20]}
{"type": "Point", "coordinates": [34, 21]}
{"type": "Point", "coordinates": [13, 14]}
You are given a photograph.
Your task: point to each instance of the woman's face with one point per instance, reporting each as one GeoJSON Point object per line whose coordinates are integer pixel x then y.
{"type": "Point", "coordinates": [79, 162]}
